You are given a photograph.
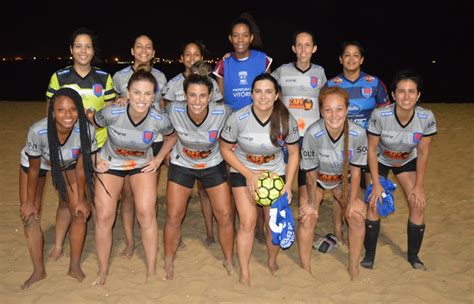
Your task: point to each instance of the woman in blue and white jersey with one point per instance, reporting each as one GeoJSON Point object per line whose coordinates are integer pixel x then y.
{"type": "Point", "coordinates": [399, 138]}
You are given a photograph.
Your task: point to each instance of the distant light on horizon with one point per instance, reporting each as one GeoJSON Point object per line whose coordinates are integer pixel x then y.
{"type": "Point", "coordinates": [433, 61]}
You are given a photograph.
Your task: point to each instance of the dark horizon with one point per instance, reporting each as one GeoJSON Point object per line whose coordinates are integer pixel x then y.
{"type": "Point", "coordinates": [432, 38]}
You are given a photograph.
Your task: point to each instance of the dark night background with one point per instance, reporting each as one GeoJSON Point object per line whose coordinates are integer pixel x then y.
{"type": "Point", "coordinates": [395, 34]}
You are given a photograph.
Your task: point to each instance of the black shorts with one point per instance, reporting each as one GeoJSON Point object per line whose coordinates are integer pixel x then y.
{"type": "Point", "coordinates": [42, 172]}
{"type": "Point", "coordinates": [238, 180]}
{"type": "Point", "coordinates": [156, 146]}
{"type": "Point", "coordinates": [209, 177]}
{"type": "Point", "coordinates": [123, 173]}
{"type": "Point", "coordinates": [408, 167]}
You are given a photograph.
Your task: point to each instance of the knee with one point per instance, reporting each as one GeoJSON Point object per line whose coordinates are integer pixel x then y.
{"type": "Point", "coordinates": [224, 216]}
{"type": "Point", "coordinates": [247, 226]}
{"type": "Point", "coordinates": [173, 221]}
{"type": "Point", "coordinates": [356, 222]}
{"type": "Point", "coordinates": [309, 223]}
{"type": "Point", "coordinates": [146, 219]}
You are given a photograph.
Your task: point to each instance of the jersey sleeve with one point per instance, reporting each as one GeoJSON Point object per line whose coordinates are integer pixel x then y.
{"type": "Point", "coordinates": [162, 84]}
{"type": "Point", "coordinates": [430, 125]}
{"type": "Point", "coordinates": [268, 62]}
{"type": "Point", "coordinates": [53, 86]}
{"type": "Point", "coordinates": [375, 125]}
{"type": "Point", "coordinates": [102, 118]}
{"type": "Point", "coordinates": [109, 93]}
{"type": "Point", "coordinates": [359, 154]}
{"type": "Point", "coordinates": [323, 79]}
{"type": "Point", "coordinates": [219, 69]}
{"type": "Point", "coordinates": [230, 130]}
{"type": "Point", "coordinates": [94, 146]}
{"type": "Point", "coordinates": [116, 81]}
{"type": "Point", "coordinates": [167, 128]}
{"type": "Point", "coordinates": [276, 74]}
{"type": "Point", "coordinates": [381, 98]}
{"type": "Point", "coordinates": [169, 92]}
{"type": "Point", "coordinates": [309, 154]}
{"type": "Point", "coordinates": [216, 93]}
{"type": "Point", "coordinates": [32, 148]}
{"type": "Point", "coordinates": [293, 134]}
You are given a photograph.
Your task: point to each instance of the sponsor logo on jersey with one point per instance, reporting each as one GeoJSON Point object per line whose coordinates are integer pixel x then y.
{"type": "Point", "coordinates": [354, 109]}
{"type": "Point", "coordinates": [156, 116]}
{"type": "Point", "coordinates": [199, 166]}
{"type": "Point", "coordinates": [417, 136]}
{"type": "Point", "coordinates": [422, 116]}
{"type": "Point", "coordinates": [76, 129]}
{"type": "Point", "coordinates": [245, 115]}
{"type": "Point", "coordinates": [260, 159]}
{"type": "Point", "coordinates": [366, 92]}
{"type": "Point", "coordinates": [115, 112]}
{"type": "Point", "coordinates": [148, 136]}
{"type": "Point", "coordinates": [42, 131]}
{"type": "Point", "coordinates": [353, 133]}
{"type": "Point", "coordinates": [369, 78]}
{"type": "Point", "coordinates": [243, 78]}
{"type": "Point", "coordinates": [217, 112]}
{"type": "Point", "coordinates": [314, 81]}
{"type": "Point", "coordinates": [75, 152]}
{"type": "Point", "coordinates": [319, 134]}
{"type": "Point", "coordinates": [212, 135]}
{"type": "Point", "coordinates": [328, 178]}
{"type": "Point", "coordinates": [300, 103]}
{"type": "Point", "coordinates": [301, 124]}
{"type": "Point", "coordinates": [97, 89]}
{"type": "Point", "coordinates": [396, 155]}
{"type": "Point", "coordinates": [430, 124]}
{"type": "Point", "coordinates": [308, 154]}
{"type": "Point", "coordinates": [196, 154]}
{"type": "Point", "coordinates": [126, 152]}
{"type": "Point", "coordinates": [101, 72]}
{"type": "Point", "coordinates": [389, 113]}
{"type": "Point", "coordinates": [337, 80]}
{"type": "Point", "coordinates": [179, 110]}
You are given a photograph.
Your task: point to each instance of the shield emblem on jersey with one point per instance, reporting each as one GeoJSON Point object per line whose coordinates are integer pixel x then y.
{"type": "Point", "coordinates": [97, 90]}
{"type": "Point", "coordinates": [314, 82]}
{"type": "Point", "coordinates": [212, 135]}
{"type": "Point", "coordinates": [75, 153]}
{"type": "Point", "coordinates": [417, 136]}
{"type": "Point", "coordinates": [349, 152]}
{"type": "Point", "coordinates": [366, 92]}
{"type": "Point", "coordinates": [147, 136]}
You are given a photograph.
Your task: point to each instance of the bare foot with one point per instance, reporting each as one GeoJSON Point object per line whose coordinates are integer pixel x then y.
{"type": "Point", "coordinates": [181, 245]}
{"type": "Point", "coordinates": [169, 270]}
{"type": "Point", "coordinates": [55, 253]}
{"type": "Point", "coordinates": [128, 251]}
{"type": "Point", "coordinates": [229, 267]}
{"type": "Point", "coordinates": [150, 276]}
{"type": "Point", "coordinates": [77, 273]}
{"type": "Point", "coordinates": [244, 279]}
{"type": "Point", "coordinates": [35, 277]}
{"type": "Point", "coordinates": [273, 268]}
{"type": "Point", "coordinates": [101, 278]}
{"type": "Point", "coordinates": [353, 273]}
{"type": "Point", "coordinates": [210, 240]}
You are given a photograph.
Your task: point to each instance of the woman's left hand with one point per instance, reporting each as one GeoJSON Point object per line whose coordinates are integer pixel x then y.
{"type": "Point", "coordinates": [84, 208]}
{"type": "Point", "coordinates": [417, 197]}
{"type": "Point", "coordinates": [287, 189]}
{"type": "Point", "coordinates": [152, 166]}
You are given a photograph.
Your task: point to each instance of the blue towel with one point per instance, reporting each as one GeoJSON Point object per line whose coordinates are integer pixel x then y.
{"type": "Point", "coordinates": [281, 223]}
{"type": "Point", "coordinates": [387, 206]}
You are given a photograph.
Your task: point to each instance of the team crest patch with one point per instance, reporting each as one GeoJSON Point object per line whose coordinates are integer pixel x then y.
{"type": "Point", "coordinates": [366, 92]}
{"type": "Point", "coordinates": [147, 136]}
{"type": "Point", "coordinates": [75, 153]}
{"type": "Point", "coordinates": [212, 135]}
{"type": "Point", "coordinates": [349, 152]}
{"type": "Point", "coordinates": [314, 82]}
{"type": "Point", "coordinates": [417, 136]}
{"type": "Point", "coordinates": [97, 89]}
{"type": "Point", "coordinates": [337, 80]}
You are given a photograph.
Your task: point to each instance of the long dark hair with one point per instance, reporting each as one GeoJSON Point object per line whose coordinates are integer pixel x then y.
{"type": "Point", "coordinates": [95, 43]}
{"type": "Point", "coordinates": [323, 94]}
{"type": "Point", "coordinates": [279, 120]}
{"type": "Point", "coordinates": [56, 159]}
{"type": "Point", "coordinates": [247, 19]}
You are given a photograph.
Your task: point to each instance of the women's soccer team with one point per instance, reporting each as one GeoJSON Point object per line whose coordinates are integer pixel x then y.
{"type": "Point", "coordinates": [105, 140]}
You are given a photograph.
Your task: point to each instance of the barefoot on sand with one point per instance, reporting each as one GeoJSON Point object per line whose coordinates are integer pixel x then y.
{"type": "Point", "coordinates": [210, 240]}
{"type": "Point", "coordinates": [128, 251]}
{"type": "Point", "coordinates": [101, 279]}
{"type": "Point", "coordinates": [55, 253]}
{"type": "Point", "coordinates": [353, 273]}
{"type": "Point", "coordinates": [76, 273]}
{"type": "Point", "coordinates": [169, 270]}
{"type": "Point", "coordinates": [35, 277]}
{"type": "Point", "coordinates": [273, 268]}
{"type": "Point", "coordinates": [229, 267]}
{"type": "Point", "coordinates": [181, 245]}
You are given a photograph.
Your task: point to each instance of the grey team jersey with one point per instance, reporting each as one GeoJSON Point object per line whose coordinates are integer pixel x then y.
{"type": "Point", "coordinates": [128, 145]}
{"type": "Point", "coordinates": [300, 92]}
{"type": "Point", "coordinates": [397, 145]}
{"type": "Point", "coordinates": [37, 145]}
{"type": "Point", "coordinates": [254, 147]}
{"type": "Point", "coordinates": [198, 145]}
{"type": "Point", "coordinates": [325, 154]}
{"type": "Point", "coordinates": [174, 90]}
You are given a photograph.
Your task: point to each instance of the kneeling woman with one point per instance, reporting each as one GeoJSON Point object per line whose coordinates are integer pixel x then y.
{"type": "Point", "coordinates": [128, 151]}
{"type": "Point", "coordinates": [61, 143]}
{"type": "Point", "coordinates": [258, 132]}
{"type": "Point", "coordinates": [196, 156]}
{"type": "Point", "coordinates": [399, 140]}
{"type": "Point", "coordinates": [333, 148]}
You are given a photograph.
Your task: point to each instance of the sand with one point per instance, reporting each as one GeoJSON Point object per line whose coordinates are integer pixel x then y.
{"type": "Point", "coordinates": [447, 250]}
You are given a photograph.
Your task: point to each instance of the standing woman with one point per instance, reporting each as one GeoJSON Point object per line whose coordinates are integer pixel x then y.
{"type": "Point", "coordinates": [192, 54]}
{"type": "Point", "coordinates": [196, 156]}
{"type": "Point", "coordinates": [235, 73]}
{"type": "Point", "coordinates": [143, 52]}
{"type": "Point", "coordinates": [399, 140]}
{"type": "Point", "coordinates": [95, 87]}
{"type": "Point", "coordinates": [259, 131]}
{"type": "Point", "coordinates": [333, 148]}
{"type": "Point", "coordinates": [127, 152]}
{"type": "Point", "coordinates": [61, 143]}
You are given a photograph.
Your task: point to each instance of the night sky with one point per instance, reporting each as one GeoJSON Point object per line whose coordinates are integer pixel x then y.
{"type": "Point", "coordinates": [396, 35]}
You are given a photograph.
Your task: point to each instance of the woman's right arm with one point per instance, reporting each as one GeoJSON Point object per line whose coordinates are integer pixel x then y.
{"type": "Point", "coordinates": [28, 208]}
{"type": "Point", "coordinates": [373, 142]}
